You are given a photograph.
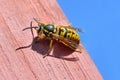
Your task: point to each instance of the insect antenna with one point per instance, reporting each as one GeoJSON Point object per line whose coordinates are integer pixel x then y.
{"type": "Point", "coordinates": [32, 30]}
{"type": "Point", "coordinates": [36, 20]}
{"type": "Point", "coordinates": [31, 27]}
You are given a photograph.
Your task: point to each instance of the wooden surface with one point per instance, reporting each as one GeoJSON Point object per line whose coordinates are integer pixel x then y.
{"type": "Point", "coordinates": [29, 64]}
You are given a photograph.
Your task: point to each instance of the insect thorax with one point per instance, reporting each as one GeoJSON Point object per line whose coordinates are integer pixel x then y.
{"type": "Point", "coordinates": [49, 28]}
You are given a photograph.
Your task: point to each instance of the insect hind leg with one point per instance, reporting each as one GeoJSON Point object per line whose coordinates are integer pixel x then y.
{"type": "Point", "coordinates": [50, 48]}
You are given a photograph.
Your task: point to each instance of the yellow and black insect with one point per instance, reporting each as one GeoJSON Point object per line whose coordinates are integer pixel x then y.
{"type": "Point", "coordinates": [64, 34]}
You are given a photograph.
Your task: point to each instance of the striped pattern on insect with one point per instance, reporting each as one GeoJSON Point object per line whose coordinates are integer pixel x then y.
{"type": "Point", "coordinates": [64, 34]}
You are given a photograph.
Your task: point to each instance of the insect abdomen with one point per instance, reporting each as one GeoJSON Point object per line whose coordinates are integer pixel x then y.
{"type": "Point", "coordinates": [69, 34]}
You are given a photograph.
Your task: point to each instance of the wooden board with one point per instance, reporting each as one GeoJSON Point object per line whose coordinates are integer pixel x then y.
{"type": "Point", "coordinates": [29, 64]}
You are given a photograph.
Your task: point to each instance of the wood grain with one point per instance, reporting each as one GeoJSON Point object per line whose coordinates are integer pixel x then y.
{"type": "Point", "coordinates": [29, 64]}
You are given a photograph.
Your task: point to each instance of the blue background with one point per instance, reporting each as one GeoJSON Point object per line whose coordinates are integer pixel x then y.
{"type": "Point", "coordinates": [100, 19]}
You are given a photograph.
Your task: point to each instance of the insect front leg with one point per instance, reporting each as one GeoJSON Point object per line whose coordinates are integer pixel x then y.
{"type": "Point", "coordinates": [50, 48]}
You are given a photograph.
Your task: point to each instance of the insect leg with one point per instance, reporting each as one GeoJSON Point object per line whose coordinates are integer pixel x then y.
{"type": "Point", "coordinates": [50, 48]}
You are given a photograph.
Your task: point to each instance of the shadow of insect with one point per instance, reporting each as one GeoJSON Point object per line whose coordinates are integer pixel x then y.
{"type": "Point", "coordinates": [59, 50]}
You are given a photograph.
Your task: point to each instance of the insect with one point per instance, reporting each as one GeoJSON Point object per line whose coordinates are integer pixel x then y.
{"type": "Point", "coordinates": [64, 34]}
